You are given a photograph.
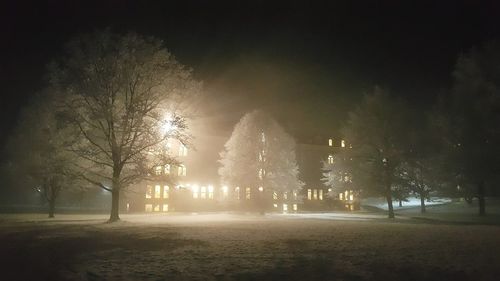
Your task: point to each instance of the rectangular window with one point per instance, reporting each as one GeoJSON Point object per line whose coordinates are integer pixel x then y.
{"type": "Point", "coordinates": [165, 208]}
{"type": "Point", "coordinates": [295, 207]}
{"type": "Point", "coordinates": [225, 192]}
{"type": "Point", "coordinates": [247, 193]}
{"type": "Point", "coordinates": [351, 196]}
{"type": "Point", "coordinates": [275, 195]}
{"type": "Point", "coordinates": [195, 191]}
{"type": "Point", "coordinates": [203, 194]}
{"type": "Point", "coordinates": [149, 207]}
{"type": "Point", "coordinates": [315, 194]}
{"type": "Point", "coordinates": [295, 195]}
{"type": "Point", "coordinates": [182, 150]}
{"type": "Point", "coordinates": [285, 195]}
{"type": "Point", "coordinates": [157, 208]}
{"type": "Point", "coordinates": [158, 170]}
{"type": "Point", "coordinates": [321, 194]}
{"type": "Point", "coordinates": [330, 159]}
{"type": "Point", "coordinates": [165, 191]}
{"type": "Point", "coordinates": [157, 191]}
{"type": "Point", "coordinates": [285, 208]}
{"type": "Point", "coordinates": [309, 194]}
{"type": "Point", "coordinates": [167, 169]}
{"type": "Point", "coordinates": [181, 172]}
{"type": "Point", "coordinates": [330, 142]}
{"type": "Point", "coordinates": [275, 205]}
{"type": "Point", "coordinates": [342, 143]}
{"type": "Point", "coordinates": [149, 192]}
{"type": "Point", "coordinates": [341, 197]}
{"type": "Point", "coordinates": [237, 192]}
{"type": "Point", "coordinates": [210, 192]}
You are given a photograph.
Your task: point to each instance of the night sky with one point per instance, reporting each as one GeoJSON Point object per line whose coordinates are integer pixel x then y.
{"type": "Point", "coordinates": [307, 63]}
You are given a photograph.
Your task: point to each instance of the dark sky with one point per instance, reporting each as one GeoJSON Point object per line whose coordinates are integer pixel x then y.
{"type": "Point", "coordinates": [308, 62]}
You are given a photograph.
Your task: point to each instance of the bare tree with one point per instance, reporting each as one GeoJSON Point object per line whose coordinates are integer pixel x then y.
{"type": "Point", "coordinates": [126, 95]}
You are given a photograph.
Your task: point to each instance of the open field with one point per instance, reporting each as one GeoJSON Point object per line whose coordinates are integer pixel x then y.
{"type": "Point", "coordinates": [245, 247]}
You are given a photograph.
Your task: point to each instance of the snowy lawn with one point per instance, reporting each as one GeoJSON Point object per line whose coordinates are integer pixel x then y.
{"type": "Point", "coordinates": [245, 247]}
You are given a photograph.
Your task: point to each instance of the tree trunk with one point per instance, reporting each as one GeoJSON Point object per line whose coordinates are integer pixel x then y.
{"type": "Point", "coordinates": [400, 203]}
{"type": "Point", "coordinates": [422, 203]}
{"type": "Point", "coordinates": [480, 196]}
{"type": "Point", "coordinates": [52, 207]}
{"type": "Point", "coordinates": [115, 200]}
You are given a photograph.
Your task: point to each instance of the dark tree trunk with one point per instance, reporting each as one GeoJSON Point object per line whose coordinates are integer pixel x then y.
{"type": "Point", "coordinates": [480, 197]}
{"type": "Point", "coordinates": [115, 200]}
{"type": "Point", "coordinates": [52, 207]}
{"type": "Point", "coordinates": [422, 203]}
{"type": "Point", "coordinates": [400, 203]}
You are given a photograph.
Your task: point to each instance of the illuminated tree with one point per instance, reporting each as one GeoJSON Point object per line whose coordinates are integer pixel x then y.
{"type": "Point", "coordinates": [376, 130]}
{"type": "Point", "coordinates": [260, 155]}
{"type": "Point", "coordinates": [38, 151]}
{"type": "Point", "coordinates": [125, 95]}
{"type": "Point", "coordinates": [337, 172]}
{"type": "Point", "coordinates": [468, 122]}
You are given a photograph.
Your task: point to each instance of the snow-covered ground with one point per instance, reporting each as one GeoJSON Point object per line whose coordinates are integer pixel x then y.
{"type": "Point", "coordinates": [244, 247]}
{"type": "Point", "coordinates": [381, 203]}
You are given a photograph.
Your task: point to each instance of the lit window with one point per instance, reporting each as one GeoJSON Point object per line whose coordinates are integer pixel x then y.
{"type": "Point", "coordinates": [247, 193]}
{"type": "Point", "coordinates": [275, 205]}
{"type": "Point", "coordinates": [351, 196]}
{"type": "Point", "coordinates": [195, 191]}
{"type": "Point", "coordinates": [237, 192]}
{"type": "Point", "coordinates": [149, 207]}
{"type": "Point", "coordinates": [182, 150]}
{"type": "Point", "coordinates": [275, 195]}
{"type": "Point", "coordinates": [294, 207]}
{"type": "Point", "coordinates": [157, 208]}
{"type": "Point", "coordinates": [309, 194]}
{"type": "Point", "coordinates": [321, 194]}
{"type": "Point", "coordinates": [167, 169]}
{"type": "Point", "coordinates": [285, 195]}
{"type": "Point", "coordinates": [224, 192]}
{"type": "Point", "coordinates": [262, 137]}
{"type": "Point", "coordinates": [346, 195]}
{"type": "Point", "coordinates": [295, 195]}
{"type": "Point", "coordinates": [330, 159]}
{"type": "Point", "coordinates": [210, 192]}
{"type": "Point", "coordinates": [203, 193]}
{"type": "Point", "coordinates": [157, 191]}
{"type": "Point", "coordinates": [342, 143]}
{"type": "Point", "coordinates": [261, 188]}
{"type": "Point", "coordinates": [285, 208]}
{"type": "Point", "coordinates": [181, 171]}
{"type": "Point", "coordinates": [165, 191]}
{"type": "Point", "coordinates": [158, 170]}
{"type": "Point", "coordinates": [165, 207]}
{"type": "Point", "coordinates": [341, 197]}
{"type": "Point", "coordinates": [262, 173]}
{"type": "Point", "coordinates": [149, 192]}
{"type": "Point", "coordinates": [330, 142]}
{"type": "Point", "coordinates": [315, 194]}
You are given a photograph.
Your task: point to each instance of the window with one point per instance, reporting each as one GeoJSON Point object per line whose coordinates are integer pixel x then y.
{"type": "Point", "coordinates": [295, 195]}
{"type": "Point", "coordinates": [210, 192]}
{"type": "Point", "coordinates": [157, 208]}
{"type": "Point", "coordinates": [262, 137]}
{"type": "Point", "coordinates": [309, 194]}
{"type": "Point", "coordinates": [149, 207]}
{"type": "Point", "coordinates": [342, 143]}
{"type": "Point", "coordinates": [285, 195]}
{"type": "Point", "coordinates": [340, 196]}
{"type": "Point", "coordinates": [181, 171]}
{"type": "Point", "coordinates": [195, 191]}
{"type": "Point", "coordinates": [203, 193]}
{"type": "Point", "coordinates": [275, 205]}
{"type": "Point", "coordinates": [167, 169]}
{"type": "Point", "coordinates": [247, 193]}
{"type": "Point", "coordinates": [346, 195]}
{"type": "Point", "coordinates": [149, 192]}
{"type": "Point", "coordinates": [158, 170]}
{"type": "Point", "coordinates": [275, 195]}
{"type": "Point", "coordinates": [315, 194]}
{"type": "Point", "coordinates": [261, 188]}
{"type": "Point", "coordinates": [330, 142]}
{"type": "Point", "coordinates": [330, 159]}
{"type": "Point", "coordinates": [157, 191]}
{"type": "Point", "coordinates": [262, 173]}
{"type": "Point", "coordinates": [294, 207]}
{"type": "Point", "coordinates": [165, 191]}
{"type": "Point", "coordinates": [237, 192]}
{"type": "Point", "coordinates": [182, 150]}
{"type": "Point", "coordinates": [285, 207]}
{"type": "Point", "coordinates": [224, 192]}
{"type": "Point", "coordinates": [351, 196]}
{"type": "Point", "coordinates": [165, 208]}
{"type": "Point", "coordinates": [321, 194]}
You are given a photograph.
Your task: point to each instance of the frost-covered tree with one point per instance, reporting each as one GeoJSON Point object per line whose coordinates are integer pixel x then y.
{"type": "Point", "coordinates": [124, 94]}
{"type": "Point", "coordinates": [469, 120]}
{"type": "Point", "coordinates": [337, 173]}
{"type": "Point", "coordinates": [260, 155]}
{"type": "Point", "coordinates": [377, 130]}
{"type": "Point", "coordinates": [38, 151]}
